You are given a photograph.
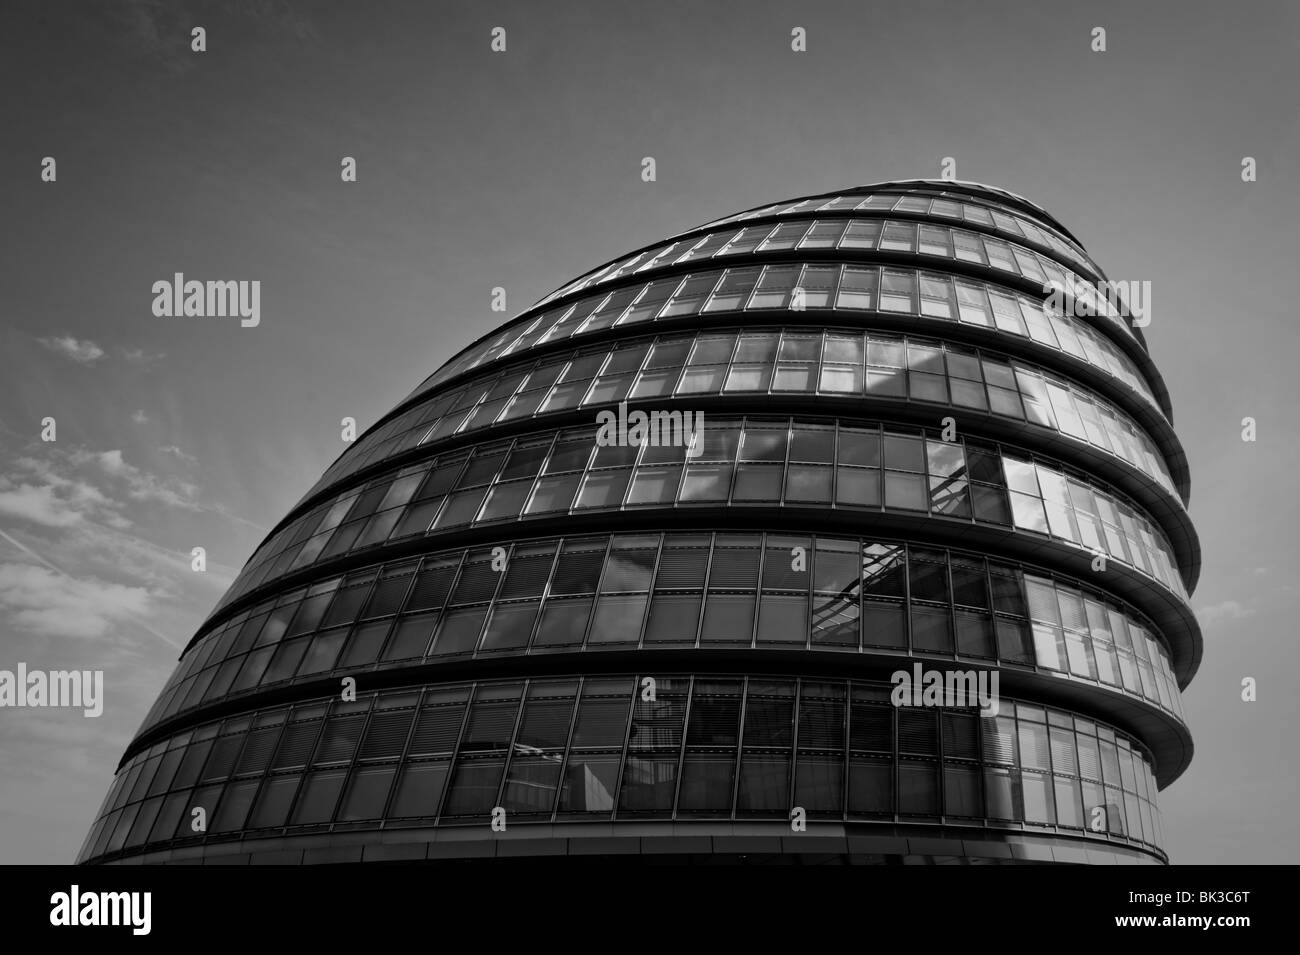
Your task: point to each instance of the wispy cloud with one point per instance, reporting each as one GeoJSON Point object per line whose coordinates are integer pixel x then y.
{"type": "Point", "coordinates": [1223, 612]}
{"type": "Point", "coordinates": [99, 493]}
{"type": "Point", "coordinates": [186, 459]}
{"type": "Point", "coordinates": [46, 603]}
{"type": "Point", "coordinates": [39, 491]}
{"type": "Point", "coordinates": [139, 356]}
{"type": "Point", "coordinates": [138, 416]}
{"type": "Point", "coordinates": [160, 29]}
{"type": "Point", "coordinates": [141, 485]}
{"type": "Point", "coordinates": [66, 487]}
{"type": "Point", "coordinates": [79, 607]}
{"type": "Point", "coordinates": [81, 350]}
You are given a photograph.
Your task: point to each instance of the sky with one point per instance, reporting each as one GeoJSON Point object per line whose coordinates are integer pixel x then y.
{"type": "Point", "coordinates": [522, 169]}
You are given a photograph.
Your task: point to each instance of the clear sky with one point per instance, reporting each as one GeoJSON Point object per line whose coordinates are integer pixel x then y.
{"type": "Point", "coordinates": [522, 169]}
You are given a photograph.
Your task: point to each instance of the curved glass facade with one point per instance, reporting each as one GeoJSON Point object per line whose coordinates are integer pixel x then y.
{"type": "Point", "coordinates": [741, 461]}
{"type": "Point", "coordinates": [941, 205]}
{"type": "Point", "coordinates": [871, 445]}
{"type": "Point", "coordinates": [924, 294]}
{"type": "Point", "coordinates": [834, 363]}
{"type": "Point", "coordinates": [884, 235]}
{"type": "Point", "coordinates": [722, 590]}
{"type": "Point", "coordinates": [592, 749]}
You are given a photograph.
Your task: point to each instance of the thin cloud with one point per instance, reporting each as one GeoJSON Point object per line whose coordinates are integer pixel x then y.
{"type": "Point", "coordinates": [67, 488]}
{"type": "Point", "coordinates": [81, 350]}
{"type": "Point", "coordinates": [187, 459]}
{"type": "Point", "coordinates": [141, 485]}
{"type": "Point", "coordinates": [47, 603]}
{"type": "Point", "coordinates": [139, 356]}
{"type": "Point", "coordinates": [84, 607]}
{"type": "Point", "coordinates": [1223, 612]}
{"type": "Point", "coordinates": [160, 29]}
{"type": "Point", "coordinates": [41, 492]}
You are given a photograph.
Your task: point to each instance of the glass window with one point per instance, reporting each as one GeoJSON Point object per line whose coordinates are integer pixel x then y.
{"type": "Point", "coordinates": [706, 247]}
{"type": "Point", "coordinates": [563, 623]}
{"type": "Point", "coordinates": [510, 626]}
{"type": "Point", "coordinates": [861, 234]}
{"type": "Point", "coordinates": [319, 795]}
{"type": "Point", "coordinates": [786, 236]}
{"type": "Point", "coordinates": [806, 482]}
{"type": "Point", "coordinates": [819, 782]}
{"type": "Point", "coordinates": [532, 784]}
{"type": "Point", "coordinates": [1029, 266]}
{"type": "Point", "coordinates": [650, 301]}
{"type": "Point", "coordinates": [746, 240]}
{"type": "Point", "coordinates": [809, 443]}
{"type": "Point", "coordinates": [968, 247]}
{"type": "Point", "coordinates": [871, 787]}
{"type": "Point", "coordinates": [936, 296]}
{"type": "Point", "coordinates": [1007, 314]}
{"type": "Point", "coordinates": [774, 287]}
{"type": "Point", "coordinates": [935, 241]}
{"type": "Point", "coordinates": [973, 306]}
{"type": "Point", "coordinates": [961, 791]}
{"type": "Point", "coordinates": [707, 780]}
{"type": "Point", "coordinates": [691, 295]}
{"type": "Point", "coordinates": [590, 783]}
{"type": "Point", "coordinates": [733, 290]}
{"type": "Point", "coordinates": [1039, 807]}
{"type": "Point", "coordinates": [999, 254]}
{"type": "Point", "coordinates": [918, 787]}
{"type": "Point", "coordinates": [783, 619]}
{"type": "Point", "coordinates": [879, 201]}
{"type": "Point", "coordinates": [706, 482]}
{"type": "Point", "coordinates": [857, 288]}
{"type": "Point", "coordinates": [367, 793]}
{"type": "Point", "coordinates": [764, 784]}
{"type": "Point", "coordinates": [674, 617]}
{"type": "Point", "coordinates": [272, 807]}
{"type": "Point", "coordinates": [898, 291]}
{"type": "Point", "coordinates": [794, 377]}
{"type": "Point", "coordinates": [728, 618]}
{"type": "Point", "coordinates": [419, 790]}
{"type": "Point", "coordinates": [474, 787]}
{"type": "Point", "coordinates": [898, 237]}
{"type": "Point", "coordinates": [824, 234]}
{"type": "Point", "coordinates": [602, 714]}
{"type": "Point", "coordinates": [818, 286]}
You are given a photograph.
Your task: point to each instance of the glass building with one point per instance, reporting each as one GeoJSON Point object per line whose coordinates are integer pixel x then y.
{"type": "Point", "coordinates": [563, 648]}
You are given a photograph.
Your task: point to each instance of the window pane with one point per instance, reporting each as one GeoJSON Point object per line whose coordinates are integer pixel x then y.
{"type": "Point", "coordinates": [857, 288]}
{"type": "Point", "coordinates": [419, 790]}
{"type": "Point", "coordinates": [590, 782]}
{"type": "Point", "coordinates": [319, 795]}
{"type": "Point", "coordinates": [773, 289]}
{"type": "Point", "coordinates": [764, 784]}
{"type": "Point", "coordinates": [617, 619]}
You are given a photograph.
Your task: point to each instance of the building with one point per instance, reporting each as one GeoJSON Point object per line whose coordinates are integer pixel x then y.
{"type": "Point", "coordinates": [569, 641]}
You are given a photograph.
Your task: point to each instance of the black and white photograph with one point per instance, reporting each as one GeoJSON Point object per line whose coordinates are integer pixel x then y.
{"type": "Point", "coordinates": [529, 444]}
